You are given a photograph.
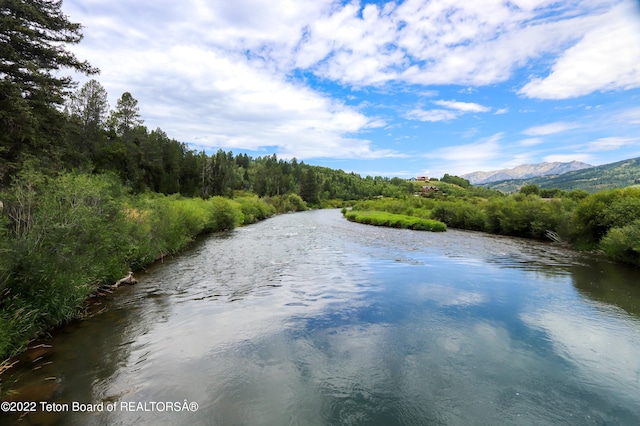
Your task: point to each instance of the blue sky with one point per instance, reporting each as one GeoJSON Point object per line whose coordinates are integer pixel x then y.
{"type": "Point", "coordinates": [397, 88]}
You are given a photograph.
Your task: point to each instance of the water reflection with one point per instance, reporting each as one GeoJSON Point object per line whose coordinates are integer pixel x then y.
{"type": "Point", "coordinates": [310, 319]}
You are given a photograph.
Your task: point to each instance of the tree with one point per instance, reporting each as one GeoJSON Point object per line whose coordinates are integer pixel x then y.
{"type": "Point", "coordinates": [33, 39]}
{"type": "Point", "coordinates": [90, 104]}
{"type": "Point", "coordinates": [456, 180]}
{"type": "Point", "coordinates": [126, 117]}
{"type": "Point", "coordinates": [33, 35]}
{"type": "Point", "coordinates": [89, 107]}
{"type": "Point", "coordinates": [309, 187]}
{"type": "Point", "coordinates": [530, 188]}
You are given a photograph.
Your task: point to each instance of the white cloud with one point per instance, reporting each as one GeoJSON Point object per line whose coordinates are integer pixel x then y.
{"type": "Point", "coordinates": [438, 42]}
{"type": "Point", "coordinates": [478, 151]}
{"type": "Point", "coordinates": [501, 111]}
{"type": "Point", "coordinates": [606, 58]}
{"type": "Point", "coordinates": [237, 74]}
{"type": "Point", "coordinates": [432, 115]}
{"type": "Point", "coordinates": [631, 116]}
{"type": "Point", "coordinates": [462, 106]}
{"type": "Point", "coordinates": [549, 129]}
{"type": "Point", "coordinates": [429, 93]}
{"type": "Point", "coordinates": [456, 109]}
{"type": "Point", "coordinates": [610, 144]}
{"type": "Point", "coordinates": [484, 154]}
{"type": "Point", "coordinates": [181, 69]}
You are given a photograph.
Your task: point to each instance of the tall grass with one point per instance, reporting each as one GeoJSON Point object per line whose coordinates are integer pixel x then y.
{"type": "Point", "coordinates": [63, 237]}
{"type": "Point", "coordinates": [393, 220]}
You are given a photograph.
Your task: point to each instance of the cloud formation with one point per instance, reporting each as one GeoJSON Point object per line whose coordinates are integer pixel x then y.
{"type": "Point", "coordinates": [610, 144]}
{"type": "Point", "coordinates": [549, 129]}
{"type": "Point", "coordinates": [607, 57]}
{"type": "Point", "coordinates": [318, 79]}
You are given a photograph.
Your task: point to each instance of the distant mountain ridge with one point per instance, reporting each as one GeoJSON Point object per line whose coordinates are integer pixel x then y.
{"type": "Point", "coordinates": [525, 171]}
{"type": "Point", "coordinates": [607, 176]}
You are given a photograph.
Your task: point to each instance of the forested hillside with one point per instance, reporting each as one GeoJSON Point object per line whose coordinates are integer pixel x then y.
{"type": "Point", "coordinates": [91, 138]}
{"type": "Point", "coordinates": [607, 176]}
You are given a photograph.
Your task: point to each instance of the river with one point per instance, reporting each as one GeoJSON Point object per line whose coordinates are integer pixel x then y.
{"type": "Point", "coordinates": [308, 319]}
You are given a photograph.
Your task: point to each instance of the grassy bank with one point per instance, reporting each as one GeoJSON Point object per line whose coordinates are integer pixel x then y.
{"type": "Point", "coordinates": [379, 218]}
{"type": "Point", "coordinates": [606, 221]}
{"type": "Point", "coordinates": [63, 237]}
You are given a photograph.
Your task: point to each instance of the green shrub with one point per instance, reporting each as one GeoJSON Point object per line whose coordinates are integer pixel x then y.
{"type": "Point", "coordinates": [254, 209]}
{"type": "Point", "coordinates": [599, 212]}
{"type": "Point", "coordinates": [65, 236]}
{"type": "Point", "coordinates": [288, 203]}
{"type": "Point", "coordinates": [225, 214]}
{"type": "Point", "coordinates": [623, 244]}
{"type": "Point", "coordinates": [62, 237]}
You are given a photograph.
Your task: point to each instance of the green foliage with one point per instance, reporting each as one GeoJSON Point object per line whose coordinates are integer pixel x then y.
{"type": "Point", "coordinates": [623, 243]}
{"type": "Point", "coordinates": [596, 214]}
{"type": "Point", "coordinates": [64, 236]}
{"type": "Point", "coordinates": [456, 180]}
{"type": "Point", "coordinates": [525, 216]}
{"type": "Point", "coordinates": [530, 189]}
{"type": "Point", "coordinates": [254, 209]}
{"type": "Point", "coordinates": [225, 214]}
{"type": "Point", "coordinates": [458, 214]}
{"type": "Point", "coordinates": [62, 241]}
{"type": "Point", "coordinates": [392, 220]}
{"type": "Point", "coordinates": [35, 35]}
{"type": "Point", "coordinates": [126, 116]}
{"type": "Point", "coordinates": [288, 203]}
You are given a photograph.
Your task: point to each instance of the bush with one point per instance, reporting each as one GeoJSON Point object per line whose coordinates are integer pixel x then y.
{"type": "Point", "coordinates": [623, 244]}
{"type": "Point", "coordinates": [255, 209]}
{"type": "Point", "coordinates": [460, 215]}
{"type": "Point", "coordinates": [599, 212]}
{"type": "Point", "coordinates": [65, 236]}
{"type": "Point", "coordinates": [288, 203]}
{"type": "Point", "coordinates": [224, 214]}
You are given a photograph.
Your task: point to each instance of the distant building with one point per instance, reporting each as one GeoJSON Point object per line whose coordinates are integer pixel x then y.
{"type": "Point", "coordinates": [422, 178]}
{"type": "Point", "coordinates": [427, 189]}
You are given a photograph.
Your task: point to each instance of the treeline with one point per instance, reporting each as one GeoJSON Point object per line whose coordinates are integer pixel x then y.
{"type": "Point", "coordinates": [94, 139]}
{"type": "Point", "coordinates": [606, 221]}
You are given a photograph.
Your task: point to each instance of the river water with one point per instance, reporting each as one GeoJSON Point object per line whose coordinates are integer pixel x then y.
{"type": "Point", "coordinates": [308, 319]}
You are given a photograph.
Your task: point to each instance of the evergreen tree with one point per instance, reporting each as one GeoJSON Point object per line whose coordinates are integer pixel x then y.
{"type": "Point", "coordinates": [33, 39]}
{"type": "Point", "coordinates": [309, 187]}
{"type": "Point", "coordinates": [88, 108]}
{"type": "Point", "coordinates": [126, 116]}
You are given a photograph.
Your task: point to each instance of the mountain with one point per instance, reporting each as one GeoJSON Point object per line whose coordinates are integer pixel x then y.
{"type": "Point", "coordinates": [615, 175]}
{"type": "Point", "coordinates": [524, 171]}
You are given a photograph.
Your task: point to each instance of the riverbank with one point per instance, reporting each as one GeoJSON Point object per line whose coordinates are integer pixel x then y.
{"type": "Point", "coordinates": [392, 220]}
{"type": "Point", "coordinates": [64, 237]}
{"type": "Point", "coordinates": [606, 221]}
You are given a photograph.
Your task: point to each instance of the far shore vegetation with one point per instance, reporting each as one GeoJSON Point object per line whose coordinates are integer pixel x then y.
{"type": "Point", "coordinates": [381, 218]}
{"type": "Point", "coordinates": [88, 193]}
{"type": "Point", "coordinates": [606, 222]}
